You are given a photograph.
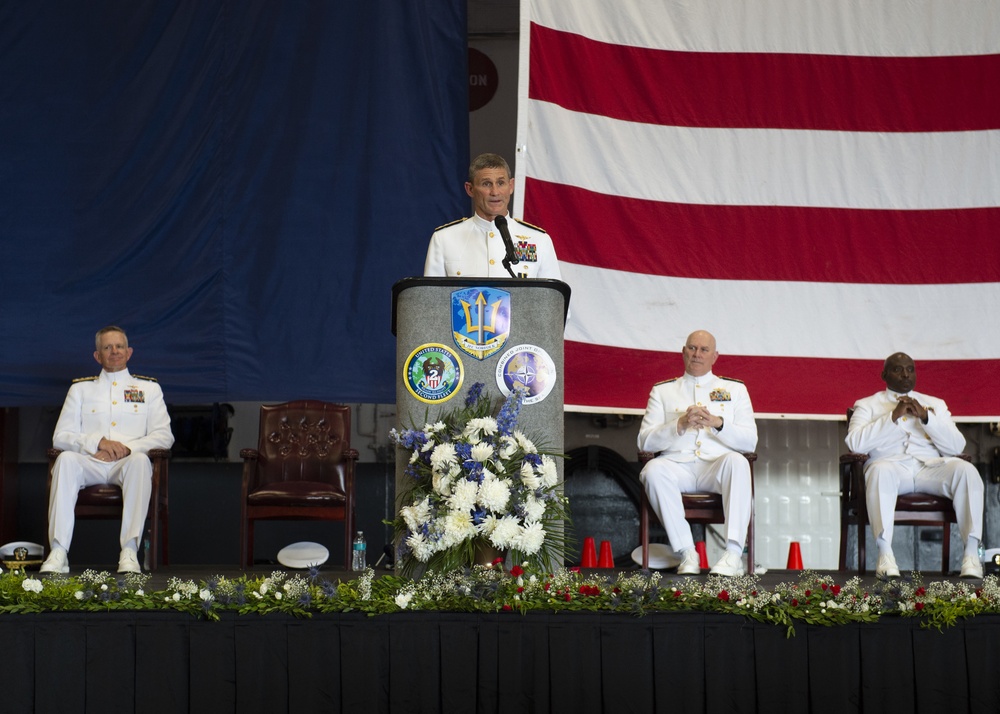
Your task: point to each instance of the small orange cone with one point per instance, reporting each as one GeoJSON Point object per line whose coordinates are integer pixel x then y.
{"type": "Point", "coordinates": [794, 556]}
{"type": "Point", "coordinates": [702, 554]}
{"type": "Point", "coordinates": [606, 560]}
{"type": "Point", "coordinates": [589, 557]}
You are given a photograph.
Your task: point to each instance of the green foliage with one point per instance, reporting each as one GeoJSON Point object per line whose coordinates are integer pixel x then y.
{"type": "Point", "coordinates": [813, 599]}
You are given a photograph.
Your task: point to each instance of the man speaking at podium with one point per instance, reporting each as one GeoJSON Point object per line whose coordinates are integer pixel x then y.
{"type": "Point", "coordinates": [491, 244]}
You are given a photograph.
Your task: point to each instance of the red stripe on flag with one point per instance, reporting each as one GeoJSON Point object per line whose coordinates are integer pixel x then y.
{"type": "Point", "coordinates": [765, 90]}
{"type": "Point", "coordinates": [617, 378]}
{"type": "Point", "coordinates": [767, 242]}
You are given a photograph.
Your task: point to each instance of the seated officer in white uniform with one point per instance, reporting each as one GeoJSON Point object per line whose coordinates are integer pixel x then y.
{"type": "Point", "coordinates": [107, 425]}
{"type": "Point", "coordinates": [474, 247]}
{"type": "Point", "coordinates": [912, 444]}
{"type": "Point", "coordinates": [697, 425]}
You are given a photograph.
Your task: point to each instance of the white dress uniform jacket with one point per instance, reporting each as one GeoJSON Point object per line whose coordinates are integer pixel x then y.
{"type": "Point", "coordinates": [473, 248]}
{"type": "Point", "coordinates": [668, 401]}
{"type": "Point", "coordinates": [115, 406]}
{"type": "Point", "coordinates": [873, 432]}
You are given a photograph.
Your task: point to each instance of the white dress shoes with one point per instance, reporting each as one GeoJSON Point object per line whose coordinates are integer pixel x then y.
{"type": "Point", "coordinates": [886, 567]}
{"type": "Point", "coordinates": [729, 565]}
{"type": "Point", "coordinates": [57, 562]}
{"type": "Point", "coordinates": [972, 567]}
{"type": "Point", "coordinates": [691, 563]}
{"type": "Point", "coordinates": [128, 562]}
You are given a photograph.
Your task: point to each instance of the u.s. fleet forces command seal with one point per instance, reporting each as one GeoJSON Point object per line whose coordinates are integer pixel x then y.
{"type": "Point", "coordinates": [528, 367]}
{"type": "Point", "coordinates": [433, 373]}
{"type": "Point", "coordinates": [480, 320]}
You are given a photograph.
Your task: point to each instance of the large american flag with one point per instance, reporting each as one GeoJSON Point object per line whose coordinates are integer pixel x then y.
{"type": "Point", "coordinates": [816, 182]}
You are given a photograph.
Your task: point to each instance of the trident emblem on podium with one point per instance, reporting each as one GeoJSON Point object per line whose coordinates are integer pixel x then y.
{"type": "Point", "coordinates": [480, 319]}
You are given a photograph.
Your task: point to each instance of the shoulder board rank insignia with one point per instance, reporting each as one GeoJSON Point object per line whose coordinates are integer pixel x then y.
{"type": "Point", "coordinates": [446, 225]}
{"type": "Point", "coordinates": [730, 379]}
{"type": "Point", "coordinates": [666, 381]}
{"type": "Point", "coordinates": [530, 225]}
{"type": "Point", "coordinates": [148, 379]}
{"type": "Point", "coordinates": [85, 379]}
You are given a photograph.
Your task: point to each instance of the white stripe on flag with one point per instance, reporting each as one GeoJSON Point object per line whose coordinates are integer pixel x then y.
{"type": "Point", "coordinates": [762, 167]}
{"type": "Point", "coordinates": [885, 28]}
{"type": "Point", "coordinates": [785, 319]}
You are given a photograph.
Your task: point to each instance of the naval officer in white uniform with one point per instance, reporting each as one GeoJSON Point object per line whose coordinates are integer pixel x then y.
{"type": "Point", "coordinates": [913, 446]}
{"type": "Point", "coordinates": [474, 247]}
{"type": "Point", "coordinates": [107, 425]}
{"type": "Point", "coordinates": [697, 425]}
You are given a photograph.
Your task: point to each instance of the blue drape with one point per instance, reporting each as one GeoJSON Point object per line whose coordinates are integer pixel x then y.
{"type": "Point", "coordinates": [237, 183]}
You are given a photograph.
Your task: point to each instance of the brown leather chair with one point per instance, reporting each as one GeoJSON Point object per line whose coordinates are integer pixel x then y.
{"type": "Point", "coordinates": [912, 509]}
{"type": "Point", "coordinates": [105, 501]}
{"type": "Point", "coordinates": [302, 469]}
{"type": "Point", "coordinates": [699, 507]}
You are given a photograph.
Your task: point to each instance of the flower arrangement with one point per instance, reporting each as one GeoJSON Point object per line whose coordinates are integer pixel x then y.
{"type": "Point", "coordinates": [474, 481]}
{"type": "Point", "coordinates": [813, 599]}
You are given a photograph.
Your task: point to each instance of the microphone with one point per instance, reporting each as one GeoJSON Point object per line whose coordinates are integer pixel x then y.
{"type": "Point", "coordinates": [501, 223]}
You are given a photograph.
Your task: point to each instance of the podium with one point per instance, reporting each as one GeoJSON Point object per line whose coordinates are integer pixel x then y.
{"type": "Point", "coordinates": [454, 332]}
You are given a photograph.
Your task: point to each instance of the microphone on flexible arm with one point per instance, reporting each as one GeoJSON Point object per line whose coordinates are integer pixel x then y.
{"type": "Point", "coordinates": [511, 257]}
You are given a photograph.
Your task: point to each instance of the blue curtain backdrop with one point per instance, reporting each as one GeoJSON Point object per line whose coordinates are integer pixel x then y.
{"type": "Point", "coordinates": [238, 183]}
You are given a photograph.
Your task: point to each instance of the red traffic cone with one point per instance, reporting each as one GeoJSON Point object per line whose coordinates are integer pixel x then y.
{"type": "Point", "coordinates": [588, 559]}
{"type": "Point", "coordinates": [702, 554]}
{"type": "Point", "coordinates": [794, 556]}
{"type": "Point", "coordinates": [606, 560]}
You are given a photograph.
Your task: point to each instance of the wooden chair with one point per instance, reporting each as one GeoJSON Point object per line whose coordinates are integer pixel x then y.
{"type": "Point", "coordinates": [104, 501]}
{"type": "Point", "coordinates": [702, 507]}
{"type": "Point", "coordinates": [912, 509]}
{"type": "Point", "coordinates": [302, 469]}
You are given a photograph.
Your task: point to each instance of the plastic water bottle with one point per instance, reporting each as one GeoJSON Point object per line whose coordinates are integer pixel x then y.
{"type": "Point", "coordinates": [359, 561]}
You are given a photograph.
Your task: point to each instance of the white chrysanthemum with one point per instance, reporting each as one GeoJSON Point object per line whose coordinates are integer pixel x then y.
{"type": "Point", "coordinates": [414, 457]}
{"type": "Point", "coordinates": [529, 477]}
{"type": "Point", "coordinates": [463, 496]}
{"type": "Point", "coordinates": [533, 509]}
{"type": "Point", "coordinates": [476, 428]}
{"type": "Point", "coordinates": [530, 539]}
{"type": "Point", "coordinates": [416, 515]}
{"type": "Point", "coordinates": [507, 447]}
{"type": "Point", "coordinates": [443, 457]}
{"type": "Point", "coordinates": [430, 429]}
{"type": "Point", "coordinates": [550, 476]}
{"type": "Point", "coordinates": [458, 527]}
{"type": "Point", "coordinates": [494, 494]}
{"type": "Point", "coordinates": [482, 452]}
{"type": "Point", "coordinates": [421, 547]}
{"type": "Point", "coordinates": [487, 525]}
{"type": "Point", "coordinates": [525, 443]}
{"type": "Point", "coordinates": [505, 532]}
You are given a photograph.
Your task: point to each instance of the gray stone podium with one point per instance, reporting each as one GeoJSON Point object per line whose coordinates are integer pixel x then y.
{"type": "Point", "coordinates": [454, 332]}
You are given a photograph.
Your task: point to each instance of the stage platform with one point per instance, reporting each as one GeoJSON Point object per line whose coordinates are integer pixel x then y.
{"type": "Point", "coordinates": [412, 662]}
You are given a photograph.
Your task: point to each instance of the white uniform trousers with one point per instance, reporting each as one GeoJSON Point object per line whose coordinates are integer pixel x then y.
{"type": "Point", "coordinates": [952, 477]}
{"type": "Point", "coordinates": [665, 481]}
{"type": "Point", "coordinates": [73, 472]}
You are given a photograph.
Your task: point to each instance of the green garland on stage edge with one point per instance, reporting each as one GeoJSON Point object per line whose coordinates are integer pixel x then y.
{"type": "Point", "coordinates": [813, 599]}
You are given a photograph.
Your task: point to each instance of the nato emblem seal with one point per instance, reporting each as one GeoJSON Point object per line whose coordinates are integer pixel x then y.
{"type": "Point", "coordinates": [480, 320]}
{"type": "Point", "coordinates": [529, 368]}
{"type": "Point", "coordinates": [433, 373]}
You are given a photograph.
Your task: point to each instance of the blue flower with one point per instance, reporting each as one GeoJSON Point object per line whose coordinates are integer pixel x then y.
{"type": "Point", "coordinates": [533, 459]}
{"type": "Point", "coordinates": [507, 418]}
{"type": "Point", "coordinates": [475, 392]}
